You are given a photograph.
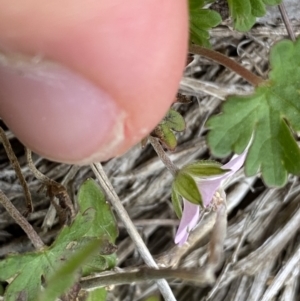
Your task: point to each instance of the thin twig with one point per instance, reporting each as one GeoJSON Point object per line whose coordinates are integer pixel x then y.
{"type": "Point", "coordinates": [21, 221]}
{"type": "Point", "coordinates": [197, 277]}
{"type": "Point", "coordinates": [291, 287]}
{"type": "Point", "coordinates": [51, 213]}
{"type": "Point", "coordinates": [282, 276]}
{"type": "Point", "coordinates": [269, 251]}
{"type": "Point", "coordinates": [261, 282]}
{"type": "Point", "coordinates": [218, 235]}
{"type": "Point", "coordinates": [54, 188]}
{"type": "Point", "coordinates": [16, 166]}
{"type": "Point", "coordinates": [172, 168]}
{"type": "Point", "coordinates": [197, 86]}
{"type": "Point", "coordinates": [287, 22]}
{"type": "Point", "coordinates": [228, 63]}
{"type": "Point", "coordinates": [123, 215]}
{"type": "Point", "coordinates": [165, 222]}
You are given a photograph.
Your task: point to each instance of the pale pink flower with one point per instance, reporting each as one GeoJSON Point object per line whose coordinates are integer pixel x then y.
{"type": "Point", "coordinates": [207, 188]}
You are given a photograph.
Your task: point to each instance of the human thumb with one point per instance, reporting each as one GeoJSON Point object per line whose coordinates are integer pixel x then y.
{"type": "Point", "coordinates": [83, 81]}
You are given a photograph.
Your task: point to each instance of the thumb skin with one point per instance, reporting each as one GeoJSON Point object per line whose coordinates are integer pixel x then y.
{"type": "Point", "coordinates": [83, 81]}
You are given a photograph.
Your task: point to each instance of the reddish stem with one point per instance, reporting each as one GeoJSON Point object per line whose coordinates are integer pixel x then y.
{"type": "Point", "coordinates": [228, 63]}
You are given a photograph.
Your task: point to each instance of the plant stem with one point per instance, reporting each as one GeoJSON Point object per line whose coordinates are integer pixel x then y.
{"type": "Point", "coordinates": [21, 221]}
{"type": "Point", "coordinates": [54, 188]}
{"type": "Point", "coordinates": [133, 233]}
{"type": "Point", "coordinates": [228, 63]}
{"type": "Point", "coordinates": [195, 276]}
{"type": "Point", "coordinates": [218, 235]}
{"type": "Point", "coordinates": [16, 166]}
{"type": "Point", "coordinates": [287, 22]}
{"type": "Point", "coordinates": [172, 168]}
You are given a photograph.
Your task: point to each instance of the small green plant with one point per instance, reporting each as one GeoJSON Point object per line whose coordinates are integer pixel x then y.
{"type": "Point", "coordinates": [89, 240]}
{"type": "Point", "coordinates": [201, 20]}
{"type": "Point", "coordinates": [245, 12]}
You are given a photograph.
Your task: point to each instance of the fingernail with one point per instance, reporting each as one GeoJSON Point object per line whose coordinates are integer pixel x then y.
{"type": "Point", "coordinates": [57, 113]}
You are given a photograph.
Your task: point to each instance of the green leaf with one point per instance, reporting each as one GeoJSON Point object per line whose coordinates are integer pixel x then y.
{"type": "Point", "coordinates": [67, 273]}
{"type": "Point", "coordinates": [25, 271]}
{"type": "Point", "coordinates": [97, 295]}
{"type": "Point", "coordinates": [271, 115]}
{"type": "Point", "coordinates": [245, 12]}
{"type": "Point", "coordinates": [177, 203]}
{"type": "Point", "coordinates": [195, 4]}
{"type": "Point", "coordinates": [91, 196]}
{"type": "Point", "coordinates": [201, 20]}
{"type": "Point", "coordinates": [165, 135]}
{"type": "Point", "coordinates": [104, 226]}
{"type": "Point", "coordinates": [185, 186]}
{"type": "Point", "coordinates": [272, 2]}
{"type": "Point", "coordinates": [100, 262]}
{"type": "Point", "coordinates": [204, 168]}
{"type": "Point", "coordinates": [174, 121]}
{"type": "Point", "coordinates": [28, 269]}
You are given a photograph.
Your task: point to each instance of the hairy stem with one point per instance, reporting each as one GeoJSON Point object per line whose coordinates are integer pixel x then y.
{"type": "Point", "coordinates": [228, 63]}
{"type": "Point", "coordinates": [21, 221]}
{"type": "Point", "coordinates": [54, 188]}
{"type": "Point", "coordinates": [198, 277]}
{"type": "Point", "coordinates": [287, 22]}
{"type": "Point", "coordinates": [16, 166]}
{"type": "Point", "coordinates": [172, 168]}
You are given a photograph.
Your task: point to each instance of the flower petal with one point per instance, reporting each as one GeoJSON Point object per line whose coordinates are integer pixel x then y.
{"type": "Point", "coordinates": [190, 217]}
{"type": "Point", "coordinates": [208, 187]}
{"type": "Point", "coordinates": [235, 163]}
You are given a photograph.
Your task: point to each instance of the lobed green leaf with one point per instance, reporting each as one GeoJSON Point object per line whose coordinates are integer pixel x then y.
{"type": "Point", "coordinates": [245, 12]}
{"type": "Point", "coordinates": [67, 274]}
{"type": "Point", "coordinates": [25, 271]}
{"type": "Point", "coordinates": [201, 20]}
{"type": "Point", "coordinates": [104, 225]}
{"type": "Point", "coordinates": [270, 117]}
